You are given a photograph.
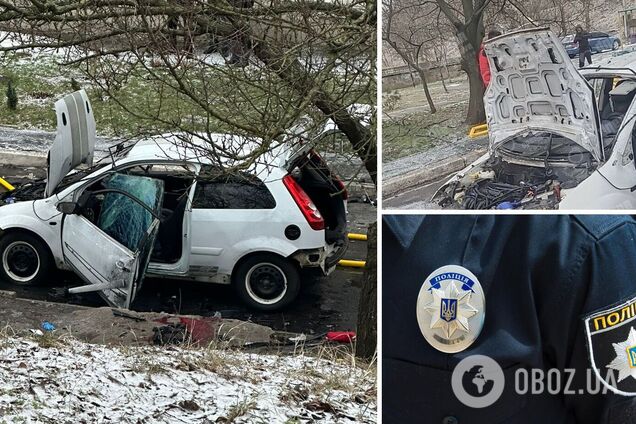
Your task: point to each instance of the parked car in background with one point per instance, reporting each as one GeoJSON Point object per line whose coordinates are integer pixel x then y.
{"type": "Point", "coordinates": [599, 42]}
{"type": "Point", "coordinates": [161, 204]}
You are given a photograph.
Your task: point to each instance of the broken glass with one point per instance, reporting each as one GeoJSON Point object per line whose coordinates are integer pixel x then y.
{"type": "Point", "coordinates": [123, 218]}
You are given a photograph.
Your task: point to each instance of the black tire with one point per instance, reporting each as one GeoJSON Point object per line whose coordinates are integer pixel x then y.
{"type": "Point", "coordinates": [24, 259]}
{"type": "Point", "coordinates": [266, 281]}
{"type": "Point", "coordinates": [616, 45]}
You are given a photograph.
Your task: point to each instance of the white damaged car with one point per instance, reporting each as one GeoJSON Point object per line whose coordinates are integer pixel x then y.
{"type": "Point", "coordinates": [558, 137]}
{"type": "Point", "coordinates": [160, 205]}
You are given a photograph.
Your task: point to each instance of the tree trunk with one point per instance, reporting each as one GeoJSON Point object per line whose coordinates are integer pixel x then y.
{"type": "Point", "coordinates": [438, 59]}
{"type": "Point", "coordinates": [441, 78]}
{"type": "Point", "coordinates": [469, 35]}
{"type": "Point", "coordinates": [427, 93]}
{"type": "Point", "coordinates": [422, 74]}
{"type": "Point", "coordinates": [476, 113]}
{"type": "Point", "coordinates": [411, 75]}
{"type": "Point", "coordinates": [366, 340]}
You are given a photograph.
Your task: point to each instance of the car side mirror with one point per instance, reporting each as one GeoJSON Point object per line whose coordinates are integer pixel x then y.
{"type": "Point", "coordinates": [68, 208]}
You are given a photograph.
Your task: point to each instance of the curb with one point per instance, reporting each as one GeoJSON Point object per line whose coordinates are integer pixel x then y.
{"type": "Point", "coordinates": [396, 185]}
{"type": "Point", "coordinates": [22, 159]}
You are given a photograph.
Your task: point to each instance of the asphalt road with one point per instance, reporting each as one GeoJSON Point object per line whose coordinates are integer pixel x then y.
{"type": "Point", "coordinates": [416, 198]}
{"type": "Point", "coordinates": [324, 304]}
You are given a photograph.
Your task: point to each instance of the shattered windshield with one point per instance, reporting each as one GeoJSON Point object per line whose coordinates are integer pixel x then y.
{"type": "Point", "coordinates": [545, 146]}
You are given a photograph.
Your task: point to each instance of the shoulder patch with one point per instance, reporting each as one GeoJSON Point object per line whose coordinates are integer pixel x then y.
{"type": "Point", "coordinates": [611, 343]}
{"type": "Point", "coordinates": [599, 226]}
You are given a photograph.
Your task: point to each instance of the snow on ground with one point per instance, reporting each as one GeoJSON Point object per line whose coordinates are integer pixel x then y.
{"type": "Point", "coordinates": [43, 381]}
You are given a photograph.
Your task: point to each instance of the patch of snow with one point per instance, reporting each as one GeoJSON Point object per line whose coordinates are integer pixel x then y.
{"type": "Point", "coordinates": [78, 382]}
{"type": "Point", "coordinates": [215, 59]}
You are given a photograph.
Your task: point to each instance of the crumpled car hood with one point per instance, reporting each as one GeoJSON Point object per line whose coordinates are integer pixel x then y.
{"type": "Point", "coordinates": [536, 87]}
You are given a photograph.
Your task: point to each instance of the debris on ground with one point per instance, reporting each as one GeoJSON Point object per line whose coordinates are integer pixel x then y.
{"type": "Point", "coordinates": [341, 336]}
{"type": "Point", "coordinates": [64, 380]}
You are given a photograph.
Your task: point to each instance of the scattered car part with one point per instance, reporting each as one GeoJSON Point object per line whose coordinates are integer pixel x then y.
{"type": "Point", "coordinates": [341, 336]}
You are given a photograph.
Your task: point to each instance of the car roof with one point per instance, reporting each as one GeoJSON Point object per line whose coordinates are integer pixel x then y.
{"type": "Point", "coordinates": [195, 148]}
{"type": "Point", "coordinates": [621, 62]}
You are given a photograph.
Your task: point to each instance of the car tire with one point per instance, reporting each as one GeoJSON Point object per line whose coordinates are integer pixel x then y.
{"type": "Point", "coordinates": [24, 259]}
{"type": "Point", "coordinates": [267, 282]}
{"type": "Point", "coordinates": [616, 45]}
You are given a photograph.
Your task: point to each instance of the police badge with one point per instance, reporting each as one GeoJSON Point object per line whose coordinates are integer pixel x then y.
{"type": "Point", "coordinates": [611, 341]}
{"type": "Point", "coordinates": [451, 308]}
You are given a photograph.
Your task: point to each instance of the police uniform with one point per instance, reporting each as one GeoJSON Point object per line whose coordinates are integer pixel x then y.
{"type": "Point", "coordinates": [544, 278]}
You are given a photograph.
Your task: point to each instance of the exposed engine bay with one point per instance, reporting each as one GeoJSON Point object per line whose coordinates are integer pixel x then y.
{"type": "Point", "coordinates": [526, 172]}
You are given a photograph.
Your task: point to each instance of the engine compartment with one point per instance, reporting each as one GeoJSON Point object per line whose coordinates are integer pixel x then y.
{"type": "Point", "coordinates": [500, 183]}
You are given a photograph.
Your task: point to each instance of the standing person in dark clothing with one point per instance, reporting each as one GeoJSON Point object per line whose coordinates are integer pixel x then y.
{"type": "Point", "coordinates": [582, 38]}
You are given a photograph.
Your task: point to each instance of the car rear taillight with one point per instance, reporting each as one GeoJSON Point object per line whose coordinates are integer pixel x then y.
{"type": "Point", "coordinates": [304, 202]}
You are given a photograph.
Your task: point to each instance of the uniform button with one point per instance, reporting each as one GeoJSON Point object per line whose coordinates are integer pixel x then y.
{"type": "Point", "coordinates": [450, 420]}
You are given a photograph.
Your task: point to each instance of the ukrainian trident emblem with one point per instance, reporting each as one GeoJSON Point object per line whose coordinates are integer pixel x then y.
{"type": "Point", "coordinates": [448, 310]}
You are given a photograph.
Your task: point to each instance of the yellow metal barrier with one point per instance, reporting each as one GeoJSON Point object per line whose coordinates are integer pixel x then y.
{"type": "Point", "coordinates": [478, 131]}
{"type": "Point", "coordinates": [355, 236]}
{"type": "Point", "coordinates": [4, 183]}
{"type": "Point", "coordinates": [352, 264]}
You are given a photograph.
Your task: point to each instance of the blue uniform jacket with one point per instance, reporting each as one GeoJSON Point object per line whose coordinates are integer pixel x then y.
{"type": "Point", "coordinates": [540, 274]}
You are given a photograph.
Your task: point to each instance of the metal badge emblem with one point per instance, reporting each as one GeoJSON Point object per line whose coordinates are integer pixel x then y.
{"type": "Point", "coordinates": [451, 308]}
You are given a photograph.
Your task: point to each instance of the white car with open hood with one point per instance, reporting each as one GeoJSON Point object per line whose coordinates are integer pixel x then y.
{"type": "Point", "coordinates": [160, 205]}
{"type": "Point", "coordinates": [558, 137]}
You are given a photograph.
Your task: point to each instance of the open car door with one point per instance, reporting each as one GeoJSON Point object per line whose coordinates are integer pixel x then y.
{"type": "Point", "coordinates": [108, 235]}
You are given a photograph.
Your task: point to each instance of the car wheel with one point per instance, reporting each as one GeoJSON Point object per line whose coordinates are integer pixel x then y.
{"type": "Point", "coordinates": [25, 259]}
{"type": "Point", "coordinates": [616, 45]}
{"type": "Point", "coordinates": [267, 282]}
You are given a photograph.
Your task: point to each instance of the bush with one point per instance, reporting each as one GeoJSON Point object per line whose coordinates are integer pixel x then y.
{"type": "Point", "coordinates": [12, 96]}
{"type": "Point", "coordinates": [390, 100]}
{"type": "Point", "coordinates": [75, 85]}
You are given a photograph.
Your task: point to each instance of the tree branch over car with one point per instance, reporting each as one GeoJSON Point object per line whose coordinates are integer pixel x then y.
{"type": "Point", "coordinates": [282, 62]}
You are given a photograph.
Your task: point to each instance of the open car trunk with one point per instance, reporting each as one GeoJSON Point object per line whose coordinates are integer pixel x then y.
{"type": "Point", "coordinates": [327, 192]}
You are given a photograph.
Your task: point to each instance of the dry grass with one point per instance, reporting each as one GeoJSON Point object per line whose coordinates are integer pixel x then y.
{"type": "Point", "coordinates": [310, 386]}
{"type": "Point", "coordinates": [238, 410]}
